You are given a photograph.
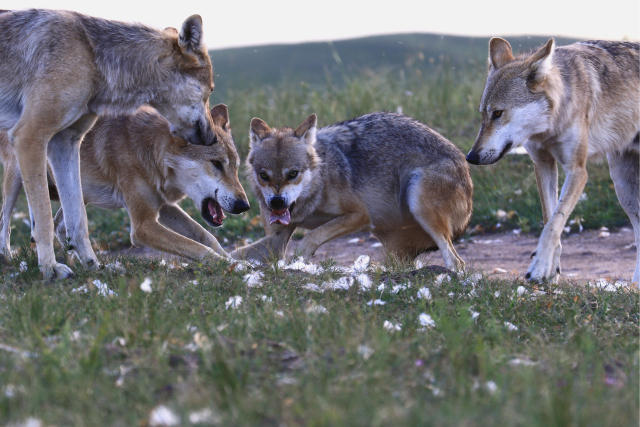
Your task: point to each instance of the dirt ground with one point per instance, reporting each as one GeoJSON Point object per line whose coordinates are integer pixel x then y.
{"type": "Point", "coordinates": [585, 256]}
{"type": "Point", "coordinates": [588, 255]}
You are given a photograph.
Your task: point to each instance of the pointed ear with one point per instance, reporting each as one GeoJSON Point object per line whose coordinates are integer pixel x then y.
{"type": "Point", "coordinates": [307, 129]}
{"type": "Point", "coordinates": [190, 38]}
{"type": "Point", "coordinates": [500, 52]}
{"type": "Point", "coordinates": [220, 116]}
{"type": "Point", "coordinates": [540, 64]}
{"type": "Point", "coordinates": [258, 130]}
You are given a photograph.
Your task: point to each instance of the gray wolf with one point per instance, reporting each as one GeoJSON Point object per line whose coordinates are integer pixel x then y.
{"type": "Point", "coordinates": [134, 162]}
{"type": "Point", "coordinates": [565, 105]}
{"type": "Point", "coordinates": [60, 70]}
{"type": "Point", "coordinates": [382, 171]}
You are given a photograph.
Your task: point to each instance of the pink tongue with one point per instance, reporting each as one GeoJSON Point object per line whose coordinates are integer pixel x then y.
{"type": "Point", "coordinates": [213, 210]}
{"type": "Point", "coordinates": [283, 217]}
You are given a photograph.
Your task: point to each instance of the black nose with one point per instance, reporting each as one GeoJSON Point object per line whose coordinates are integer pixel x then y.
{"type": "Point", "coordinates": [277, 203]}
{"type": "Point", "coordinates": [473, 158]}
{"type": "Point", "coordinates": [240, 206]}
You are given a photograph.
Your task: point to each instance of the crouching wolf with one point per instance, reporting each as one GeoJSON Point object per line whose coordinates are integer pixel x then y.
{"type": "Point", "coordinates": [565, 105]}
{"type": "Point", "coordinates": [136, 163]}
{"type": "Point", "coordinates": [60, 70]}
{"type": "Point", "coordinates": [382, 171]}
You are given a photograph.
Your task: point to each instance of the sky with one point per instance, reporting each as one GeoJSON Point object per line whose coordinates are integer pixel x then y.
{"type": "Point", "coordinates": [233, 23]}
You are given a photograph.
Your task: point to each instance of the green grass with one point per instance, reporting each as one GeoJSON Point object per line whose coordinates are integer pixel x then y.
{"type": "Point", "coordinates": [72, 358]}
{"type": "Point", "coordinates": [95, 360]}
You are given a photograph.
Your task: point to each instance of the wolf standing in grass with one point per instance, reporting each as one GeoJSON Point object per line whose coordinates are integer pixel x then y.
{"type": "Point", "coordinates": [565, 105]}
{"type": "Point", "coordinates": [382, 171]}
{"type": "Point", "coordinates": [60, 70]}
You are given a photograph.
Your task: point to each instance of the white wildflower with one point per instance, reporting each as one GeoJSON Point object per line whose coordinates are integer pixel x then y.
{"type": "Point", "coordinates": [474, 315]}
{"type": "Point", "coordinates": [441, 278]}
{"type": "Point", "coordinates": [163, 416]}
{"type": "Point", "coordinates": [496, 294]}
{"type": "Point", "coordinates": [204, 416]}
{"type": "Point", "coordinates": [424, 293]}
{"type": "Point", "coordinates": [381, 287]}
{"type": "Point", "coordinates": [376, 302]}
{"type": "Point", "coordinates": [365, 281]}
{"type": "Point", "coordinates": [233, 302]}
{"type": "Point", "coordinates": [397, 288]}
{"type": "Point", "coordinates": [510, 326]}
{"type": "Point", "coordinates": [341, 284]}
{"type": "Point", "coordinates": [314, 308]}
{"type": "Point", "coordinates": [361, 263]}
{"type": "Point", "coordinates": [23, 266]}
{"type": "Point", "coordinates": [426, 320]}
{"type": "Point", "coordinates": [605, 285]}
{"type": "Point", "coordinates": [145, 286]}
{"type": "Point", "coordinates": [313, 288]}
{"type": "Point", "coordinates": [103, 289]}
{"type": "Point", "coordinates": [491, 387]}
{"type": "Point", "coordinates": [390, 326]}
{"type": "Point", "coordinates": [365, 351]}
{"type": "Point", "coordinates": [521, 362]}
{"type": "Point", "coordinates": [265, 298]}
{"type": "Point", "coordinates": [521, 291]}
{"type": "Point", "coordinates": [253, 280]}
{"type": "Point", "coordinates": [279, 313]}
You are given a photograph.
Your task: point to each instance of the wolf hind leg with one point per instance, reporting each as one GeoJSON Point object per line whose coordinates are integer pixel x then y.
{"type": "Point", "coordinates": [11, 186]}
{"type": "Point", "coordinates": [433, 203]}
{"type": "Point", "coordinates": [624, 169]}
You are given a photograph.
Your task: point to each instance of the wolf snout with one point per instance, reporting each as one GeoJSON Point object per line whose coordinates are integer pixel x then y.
{"type": "Point", "coordinates": [473, 157]}
{"type": "Point", "coordinates": [240, 206]}
{"type": "Point", "coordinates": [277, 203]}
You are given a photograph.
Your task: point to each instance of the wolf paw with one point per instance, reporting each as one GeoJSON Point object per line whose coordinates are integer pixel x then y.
{"type": "Point", "coordinates": [542, 270]}
{"type": "Point", "coordinates": [55, 271]}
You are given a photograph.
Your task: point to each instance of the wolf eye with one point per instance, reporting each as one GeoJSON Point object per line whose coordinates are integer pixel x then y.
{"type": "Point", "coordinates": [496, 114]}
{"type": "Point", "coordinates": [218, 165]}
{"type": "Point", "coordinates": [292, 175]}
{"type": "Point", "coordinates": [264, 176]}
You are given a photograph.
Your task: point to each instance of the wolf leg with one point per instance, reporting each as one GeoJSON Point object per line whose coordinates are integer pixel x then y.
{"type": "Point", "coordinates": [546, 169]}
{"type": "Point", "coordinates": [623, 168]}
{"type": "Point", "coordinates": [542, 266]}
{"type": "Point", "coordinates": [173, 217]}
{"type": "Point", "coordinates": [273, 245]}
{"type": "Point", "coordinates": [64, 157]}
{"type": "Point", "coordinates": [11, 185]}
{"type": "Point", "coordinates": [330, 230]}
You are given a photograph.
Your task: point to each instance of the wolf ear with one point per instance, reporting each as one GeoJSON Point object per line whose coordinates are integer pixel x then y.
{"type": "Point", "coordinates": [539, 65]}
{"type": "Point", "coordinates": [258, 130]}
{"type": "Point", "coordinates": [190, 38]}
{"type": "Point", "coordinates": [307, 129]}
{"type": "Point", "coordinates": [500, 52]}
{"type": "Point", "coordinates": [220, 116]}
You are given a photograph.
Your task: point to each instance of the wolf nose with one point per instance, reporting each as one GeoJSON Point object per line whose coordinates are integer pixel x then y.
{"type": "Point", "coordinates": [240, 206]}
{"type": "Point", "coordinates": [277, 203]}
{"type": "Point", "coordinates": [473, 158]}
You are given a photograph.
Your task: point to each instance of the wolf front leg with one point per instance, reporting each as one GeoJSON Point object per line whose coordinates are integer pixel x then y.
{"type": "Point", "coordinates": [546, 169]}
{"type": "Point", "coordinates": [273, 245]}
{"type": "Point", "coordinates": [541, 268]}
{"type": "Point", "coordinates": [173, 217]}
{"type": "Point", "coordinates": [337, 227]}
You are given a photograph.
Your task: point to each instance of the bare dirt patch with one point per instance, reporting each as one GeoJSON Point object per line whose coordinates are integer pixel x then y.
{"type": "Point", "coordinates": [585, 256]}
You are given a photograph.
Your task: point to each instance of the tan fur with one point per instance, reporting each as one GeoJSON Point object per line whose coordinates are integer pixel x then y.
{"type": "Point", "coordinates": [565, 105]}
{"type": "Point", "coordinates": [413, 191]}
{"type": "Point", "coordinates": [134, 162]}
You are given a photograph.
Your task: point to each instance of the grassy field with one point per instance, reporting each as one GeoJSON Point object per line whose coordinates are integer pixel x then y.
{"type": "Point", "coordinates": [207, 344]}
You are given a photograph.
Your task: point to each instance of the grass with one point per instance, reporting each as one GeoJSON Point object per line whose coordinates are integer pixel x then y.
{"type": "Point", "coordinates": [95, 360]}
{"type": "Point", "coordinates": [74, 358]}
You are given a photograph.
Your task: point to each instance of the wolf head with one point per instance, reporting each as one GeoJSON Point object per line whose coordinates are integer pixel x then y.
{"type": "Point", "coordinates": [517, 102]}
{"type": "Point", "coordinates": [188, 84]}
{"type": "Point", "coordinates": [208, 174]}
{"type": "Point", "coordinates": [282, 163]}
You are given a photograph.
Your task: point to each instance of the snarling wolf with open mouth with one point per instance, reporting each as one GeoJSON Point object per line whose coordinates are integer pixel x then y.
{"type": "Point", "coordinates": [60, 70]}
{"type": "Point", "coordinates": [382, 171]}
{"type": "Point", "coordinates": [134, 162]}
{"type": "Point", "coordinates": [565, 105]}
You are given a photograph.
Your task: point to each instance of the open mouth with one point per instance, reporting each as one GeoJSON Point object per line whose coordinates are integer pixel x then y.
{"type": "Point", "coordinates": [282, 216]}
{"type": "Point", "coordinates": [505, 150]}
{"type": "Point", "coordinates": [212, 212]}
